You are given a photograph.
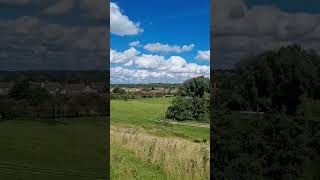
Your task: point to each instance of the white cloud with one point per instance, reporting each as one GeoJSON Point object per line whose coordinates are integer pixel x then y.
{"type": "Point", "coordinates": [149, 61]}
{"type": "Point", "coordinates": [240, 30]}
{"type": "Point", "coordinates": [120, 24]}
{"type": "Point", "coordinates": [146, 68]}
{"type": "Point", "coordinates": [60, 8]}
{"type": "Point", "coordinates": [127, 57]}
{"type": "Point", "coordinates": [158, 47]}
{"type": "Point", "coordinates": [134, 43]}
{"type": "Point", "coordinates": [124, 75]}
{"type": "Point", "coordinates": [203, 55]}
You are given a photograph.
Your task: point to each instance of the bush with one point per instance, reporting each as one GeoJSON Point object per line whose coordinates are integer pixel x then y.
{"type": "Point", "coordinates": [192, 102]}
{"type": "Point", "coordinates": [181, 109]}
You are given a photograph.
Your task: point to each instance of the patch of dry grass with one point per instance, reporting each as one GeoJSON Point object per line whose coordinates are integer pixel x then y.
{"type": "Point", "coordinates": [178, 158]}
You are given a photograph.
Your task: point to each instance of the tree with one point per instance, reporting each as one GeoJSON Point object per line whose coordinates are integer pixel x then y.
{"type": "Point", "coordinates": [192, 101]}
{"type": "Point", "coordinates": [195, 87]}
{"type": "Point", "coordinates": [20, 90]}
{"type": "Point", "coordinates": [277, 80]}
{"type": "Point", "coordinates": [119, 90]}
{"type": "Point", "coordinates": [180, 110]}
{"type": "Point", "coordinates": [39, 96]}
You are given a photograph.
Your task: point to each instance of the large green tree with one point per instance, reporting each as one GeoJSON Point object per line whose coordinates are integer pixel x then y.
{"type": "Point", "coordinates": [276, 80]}
{"type": "Point", "coordinates": [192, 101]}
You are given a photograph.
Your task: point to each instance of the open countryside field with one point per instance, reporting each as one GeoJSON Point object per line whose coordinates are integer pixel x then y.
{"type": "Point", "coordinates": [72, 150]}
{"type": "Point", "coordinates": [144, 146]}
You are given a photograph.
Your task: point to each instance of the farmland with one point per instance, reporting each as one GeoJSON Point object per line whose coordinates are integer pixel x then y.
{"type": "Point", "coordinates": [71, 149]}
{"type": "Point", "coordinates": [154, 148]}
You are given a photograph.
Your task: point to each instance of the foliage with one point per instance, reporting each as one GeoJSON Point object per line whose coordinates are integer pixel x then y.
{"type": "Point", "coordinates": [276, 80]}
{"type": "Point", "coordinates": [273, 147]}
{"type": "Point", "coordinates": [192, 101]}
{"type": "Point", "coordinates": [181, 109]}
{"type": "Point", "coordinates": [21, 90]}
{"type": "Point", "coordinates": [36, 102]}
{"type": "Point", "coordinates": [283, 143]}
{"type": "Point", "coordinates": [119, 90]}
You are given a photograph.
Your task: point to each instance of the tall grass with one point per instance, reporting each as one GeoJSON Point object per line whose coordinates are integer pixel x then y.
{"type": "Point", "coordinates": [178, 158]}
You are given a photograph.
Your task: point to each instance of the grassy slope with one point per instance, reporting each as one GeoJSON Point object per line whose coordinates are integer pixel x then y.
{"type": "Point", "coordinates": [148, 114]}
{"type": "Point", "coordinates": [36, 150]}
{"type": "Point", "coordinates": [130, 167]}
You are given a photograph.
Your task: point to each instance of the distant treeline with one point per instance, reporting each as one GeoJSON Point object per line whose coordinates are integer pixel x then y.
{"type": "Point", "coordinates": [35, 102]}
{"type": "Point", "coordinates": [147, 86]}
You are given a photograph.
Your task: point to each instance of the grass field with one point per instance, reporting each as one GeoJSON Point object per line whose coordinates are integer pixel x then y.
{"type": "Point", "coordinates": [148, 115]}
{"type": "Point", "coordinates": [153, 149]}
{"type": "Point", "coordinates": [33, 150]}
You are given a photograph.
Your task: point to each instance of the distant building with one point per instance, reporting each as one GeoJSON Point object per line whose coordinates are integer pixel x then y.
{"type": "Point", "coordinates": [74, 89]}
{"type": "Point", "coordinates": [5, 87]}
{"type": "Point", "coordinates": [100, 87]}
{"type": "Point", "coordinates": [89, 90]}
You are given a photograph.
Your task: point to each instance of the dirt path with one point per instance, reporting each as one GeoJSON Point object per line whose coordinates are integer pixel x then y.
{"type": "Point", "coordinates": [193, 124]}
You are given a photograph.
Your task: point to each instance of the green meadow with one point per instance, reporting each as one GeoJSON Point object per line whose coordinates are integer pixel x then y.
{"type": "Point", "coordinates": [144, 145]}
{"type": "Point", "coordinates": [148, 115]}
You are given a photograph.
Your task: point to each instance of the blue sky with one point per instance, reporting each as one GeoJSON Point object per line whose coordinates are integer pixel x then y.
{"type": "Point", "coordinates": [173, 40]}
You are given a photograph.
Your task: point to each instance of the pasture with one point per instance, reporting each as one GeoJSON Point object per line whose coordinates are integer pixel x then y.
{"type": "Point", "coordinates": [154, 148]}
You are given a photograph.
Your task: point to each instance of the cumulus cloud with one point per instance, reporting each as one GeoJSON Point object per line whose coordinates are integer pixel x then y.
{"type": "Point", "coordinates": [166, 48]}
{"type": "Point", "coordinates": [126, 57]}
{"type": "Point", "coordinates": [133, 67]}
{"type": "Point", "coordinates": [240, 30]}
{"type": "Point", "coordinates": [134, 43]}
{"type": "Point", "coordinates": [203, 55]}
{"type": "Point", "coordinates": [60, 8]}
{"type": "Point", "coordinates": [120, 24]}
{"type": "Point", "coordinates": [31, 44]}
{"type": "Point", "coordinates": [126, 75]}
{"type": "Point", "coordinates": [94, 9]}
{"type": "Point", "coordinates": [147, 61]}
{"type": "Point", "coordinates": [22, 2]}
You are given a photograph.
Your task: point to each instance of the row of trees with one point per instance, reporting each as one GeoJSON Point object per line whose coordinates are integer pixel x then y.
{"type": "Point", "coordinates": [35, 102]}
{"type": "Point", "coordinates": [146, 92]}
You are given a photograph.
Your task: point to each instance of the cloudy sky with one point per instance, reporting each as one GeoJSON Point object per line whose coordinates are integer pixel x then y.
{"type": "Point", "coordinates": [244, 27]}
{"type": "Point", "coordinates": [53, 34]}
{"type": "Point", "coordinates": [159, 41]}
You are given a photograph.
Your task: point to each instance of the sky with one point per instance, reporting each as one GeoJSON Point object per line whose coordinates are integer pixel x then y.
{"type": "Point", "coordinates": [53, 35]}
{"type": "Point", "coordinates": [247, 27]}
{"type": "Point", "coordinates": [173, 36]}
{"type": "Point", "coordinates": [159, 41]}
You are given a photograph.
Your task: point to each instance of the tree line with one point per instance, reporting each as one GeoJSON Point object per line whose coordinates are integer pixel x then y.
{"type": "Point", "coordinates": [35, 102]}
